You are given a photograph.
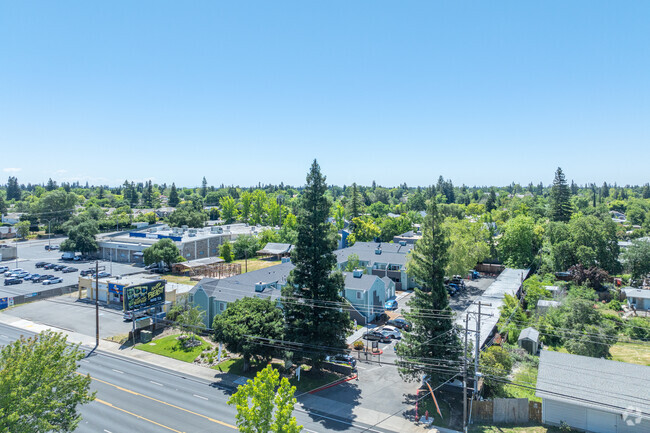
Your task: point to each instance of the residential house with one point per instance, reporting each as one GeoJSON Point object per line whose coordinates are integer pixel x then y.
{"type": "Point", "coordinates": [367, 294]}
{"type": "Point", "coordinates": [529, 340]}
{"type": "Point", "coordinates": [410, 237]}
{"type": "Point", "coordinates": [11, 218]}
{"type": "Point", "coordinates": [593, 394]}
{"type": "Point", "coordinates": [638, 298]}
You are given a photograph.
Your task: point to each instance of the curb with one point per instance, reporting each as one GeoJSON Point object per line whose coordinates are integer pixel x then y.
{"type": "Point", "coordinates": [347, 379]}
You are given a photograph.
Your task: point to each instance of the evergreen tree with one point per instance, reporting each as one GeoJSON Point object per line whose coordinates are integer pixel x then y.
{"type": "Point", "coordinates": [310, 320]}
{"type": "Point", "coordinates": [574, 188]}
{"type": "Point", "coordinates": [356, 206]}
{"type": "Point", "coordinates": [204, 187]}
{"type": "Point", "coordinates": [604, 191]}
{"type": "Point", "coordinates": [433, 335]}
{"type": "Point", "coordinates": [646, 191]}
{"type": "Point", "coordinates": [13, 190]}
{"type": "Point", "coordinates": [491, 203]}
{"type": "Point", "coordinates": [560, 199]}
{"type": "Point", "coordinates": [51, 185]}
{"type": "Point", "coordinates": [173, 196]}
{"type": "Point", "coordinates": [3, 206]}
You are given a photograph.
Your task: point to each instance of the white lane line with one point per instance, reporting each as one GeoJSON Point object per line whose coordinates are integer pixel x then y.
{"type": "Point", "coordinates": [3, 336]}
{"type": "Point", "coordinates": [117, 371]}
{"type": "Point", "coordinates": [200, 396]}
{"type": "Point", "coordinates": [107, 431]}
{"type": "Point", "coordinates": [156, 383]}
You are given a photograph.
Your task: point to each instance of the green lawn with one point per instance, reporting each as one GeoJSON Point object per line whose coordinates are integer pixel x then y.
{"type": "Point", "coordinates": [511, 429]}
{"type": "Point", "coordinates": [631, 352]}
{"type": "Point", "coordinates": [171, 347]}
{"type": "Point", "coordinates": [427, 404]}
{"type": "Point", "coordinates": [308, 380]}
{"type": "Point", "coordinates": [255, 264]}
{"type": "Point", "coordinates": [525, 374]}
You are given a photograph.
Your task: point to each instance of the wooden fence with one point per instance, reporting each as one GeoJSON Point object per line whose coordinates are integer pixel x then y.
{"type": "Point", "coordinates": [507, 411]}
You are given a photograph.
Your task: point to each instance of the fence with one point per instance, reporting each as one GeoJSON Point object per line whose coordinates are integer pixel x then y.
{"type": "Point", "coordinates": [507, 411]}
{"type": "Point", "coordinates": [36, 296]}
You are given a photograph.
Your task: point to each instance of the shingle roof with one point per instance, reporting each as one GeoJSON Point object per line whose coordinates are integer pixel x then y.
{"type": "Point", "coordinates": [275, 249]}
{"type": "Point", "coordinates": [529, 334]}
{"type": "Point", "coordinates": [364, 283]}
{"type": "Point", "coordinates": [593, 382]}
{"type": "Point", "coordinates": [390, 253]}
{"type": "Point", "coordinates": [637, 293]}
{"type": "Point", "coordinates": [201, 262]}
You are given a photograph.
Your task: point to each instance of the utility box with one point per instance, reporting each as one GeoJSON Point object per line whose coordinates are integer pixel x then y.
{"type": "Point", "coordinates": [145, 336]}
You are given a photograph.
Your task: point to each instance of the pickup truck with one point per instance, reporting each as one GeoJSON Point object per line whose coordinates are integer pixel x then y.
{"type": "Point", "coordinates": [67, 256]}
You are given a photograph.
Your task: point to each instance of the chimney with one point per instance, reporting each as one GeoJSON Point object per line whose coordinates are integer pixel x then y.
{"type": "Point", "coordinates": [357, 273]}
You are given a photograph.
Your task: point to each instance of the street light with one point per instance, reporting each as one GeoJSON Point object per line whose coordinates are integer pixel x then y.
{"type": "Point", "coordinates": [49, 233]}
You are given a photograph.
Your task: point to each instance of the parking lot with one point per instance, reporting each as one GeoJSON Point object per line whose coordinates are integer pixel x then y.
{"type": "Point", "coordinates": [32, 252]}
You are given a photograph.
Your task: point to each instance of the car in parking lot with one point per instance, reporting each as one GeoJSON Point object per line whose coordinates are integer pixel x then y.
{"type": "Point", "coordinates": [391, 331]}
{"type": "Point", "coordinates": [12, 281]}
{"type": "Point", "coordinates": [87, 272]}
{"type": "Point", "coordinates": [41, 264]}
{"type": "Point", "coordinates": [60, 267]}
{"type": "Point", "coordinates": [69, 269]}
{"type": "Point", "coordinates": [53, 280]}
{"type": "Point", "coordinates": [342, 358]}
{"type": "Point", "coordinates": [391, 304]}
{"type": "Point", "coordinates": [51, 247]}
{"type": "Point", "coordinates": [31, 277]}
{"type": "Point", "coordinates": [103, 274]}
{"type": "Point", "coordinates": [13, 271]}
{"type": "Point", "coordinates": [50, 266]}
{"type": "Point", "coordinates": [3, 269]}
{"type": "Point", "coordinates": [18, 274]}
{"type": "Point", "coordinates": [400, 323]}
{"type": "Point", "coordinates": [42, 278]}
{"type": "Point", "coordinates": [377, 336]}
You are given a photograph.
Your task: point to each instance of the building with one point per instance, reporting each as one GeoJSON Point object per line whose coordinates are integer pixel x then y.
{"type": "Point", "coordinates": [381, 259]}
{"type": "Point", "coordinates": [638, 298]}
{"type": "Point", "coordinates": [543, 305]}
{"type": "Point", "coordinates": [11, 218]}
{"type": "Point", "coordinates": [529, 340]}
{"type": "Point", "coordinates": [111, 289]}
{"type": "Point", "coordinates": [409, 237]}
{"type": "Point", "coordinates": [129, 246]}
{"type": "Point", "coordinates": [8, 232]}
{"type": "Point", "coordinates": [557, 292]}
{"type": "Point", "coordinates": [276, 250]}
{"type": "Point", "coordinates": [195, 266]}
{"type": "Point", "coordinates": [7, 252]}
{"type": "Point", "coordinates": [213, 295]}
{"type": "Point", "coordinates": [592, 394]}
{"type": "Point", "coordinates": [367, 294]}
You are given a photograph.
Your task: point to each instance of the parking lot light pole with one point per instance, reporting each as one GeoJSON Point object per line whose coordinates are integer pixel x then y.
{"type": "Point", "coordinates": [96, 307]}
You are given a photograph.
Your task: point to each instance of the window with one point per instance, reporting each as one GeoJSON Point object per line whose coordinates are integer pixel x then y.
{"type": "Point", "coordinates": [200, 253]}
{"type": "Point", "coordinates": [222, 306]}
{"type": "Point", "coordinates": [358, 295]}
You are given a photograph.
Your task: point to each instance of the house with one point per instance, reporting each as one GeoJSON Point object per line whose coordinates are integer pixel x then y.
{"type": "Point", "coordinates": [529, 340]}
{"type": "Point", "coordinates": [276, 250]}
{"type": "Point", "coordinates": [381, 259]}
{"type": "Point", "coordinates": [12, 218]}
{"type": "Point", "coordinates": [8, 232]}
{"type": "Point", "coordinates": [638, 298]}
{"type": "Point", "coordinates": [213, 295]}
{"type": "Point", "coordinates": [543, 305]}
{"type": "Point", "coordinates": [367, 294]}
{"type": "Point", "coordinates": [593, 394]}
{"type": "Point", "coordinates": [409, 237]}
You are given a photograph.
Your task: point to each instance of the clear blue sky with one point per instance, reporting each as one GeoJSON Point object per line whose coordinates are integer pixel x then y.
{"type": "Point", "coordinates": [246, 92]}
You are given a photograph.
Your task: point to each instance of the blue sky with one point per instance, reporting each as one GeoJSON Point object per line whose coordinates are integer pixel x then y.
{"type": "Point", "coordinates": [244, 92]}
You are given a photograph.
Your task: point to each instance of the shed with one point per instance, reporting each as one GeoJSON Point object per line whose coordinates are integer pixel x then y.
{"type": "Point", "coordinates": [638, 298]}
{"type": "Point", "coordinates": [275, 249]}
{"type": "Point", "coordinates": [543, 305]}
{"type": "Point", "coordinates": [529, 340]}
{"type": "Point", "coordinates": [556, 291]}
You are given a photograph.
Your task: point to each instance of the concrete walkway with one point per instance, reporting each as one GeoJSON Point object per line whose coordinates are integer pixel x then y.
{"type": "Point", "coordinates": [306, 402]}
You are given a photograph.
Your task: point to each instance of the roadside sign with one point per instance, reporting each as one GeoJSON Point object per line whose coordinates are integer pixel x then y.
{"type": "Point", "coordinates": [144, 295]}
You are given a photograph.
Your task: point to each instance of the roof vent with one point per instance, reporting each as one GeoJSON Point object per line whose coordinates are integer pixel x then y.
{"type": "Point", "coordinates": [402, 243]}
{"type": "Point", "coordinates": [259, 287]}
{"type": "Point", "coordinates": [357, 273]}
{"type": "Point", "coordinates": [378, 250]}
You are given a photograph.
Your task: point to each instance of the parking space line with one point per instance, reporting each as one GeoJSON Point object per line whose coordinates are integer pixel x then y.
{"type": "Point", "coordinates": [117, 371]}
{"type": "Point", "coordinates": [200, 396]}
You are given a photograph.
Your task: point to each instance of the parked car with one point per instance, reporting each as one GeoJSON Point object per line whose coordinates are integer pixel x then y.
{"type": "Point", "coordinates": [103, 274]}
{"type": "Point", "coordinates": [391, 304]}
{"type": "Point", "coordinates": [42, 278]}
{"type": "Point", "coordinates": [41, 264]}
{"type": "Point", "coordinates": [54, 280]}
{"type": "Point", "coordinates": [376, 336]}
{"type": "Point", "coordinates": [68, 255]}
{"type": "Point", "coordinates": [19, 274]}
{"type": "Point", "coordinates": [12, 281]}
{"type": "Point", "coordinates": [391, 331]}
{"type": "Point", "coordinates": [77, 258]}
{"type": "Point", "coordinates": [87, 272]}
{"type": "Point", "coordinates": [49, 266]}
{"type": "Point", "coordinates": [51, 247]}
{"type": "Point", "coordinates": [342, 358]}
{"type": "Point", "coordinates": [59, 267]}
{"type": "Point", "coordinates": [26, 277]}
{"type": "Point", "coordinates": [69, 269]}
{"type": "Point", "coordinates": [31, 277]}
{"type": "Point", "coordinates": [3, 269]}
{"type": "Point", "coordinates": [400, 323]}
{"type": "Point", "coordinates": [132, 315]}
{"type": "Point", "coordinates": [452, 289]}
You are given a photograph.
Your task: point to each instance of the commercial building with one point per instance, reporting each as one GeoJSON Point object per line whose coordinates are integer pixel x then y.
{"type": "Point", "coordinates": [129, 246]}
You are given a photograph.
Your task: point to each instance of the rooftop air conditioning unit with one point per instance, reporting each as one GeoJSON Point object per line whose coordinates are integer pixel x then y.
{"type": "Point", "coordinates": [378, 251]}
{"type": "Point", "coordinates": [259, 287]}
{"type": "Point", "coordinates": [357, 273]}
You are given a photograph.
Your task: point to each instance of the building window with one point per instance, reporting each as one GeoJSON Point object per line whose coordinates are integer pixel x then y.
{"type": "Point", "coordinates": [358, 295]}
{"type": "Point", "coordinates": [200, 253]}
{"type": "Point", "coordinates": [222, 306]}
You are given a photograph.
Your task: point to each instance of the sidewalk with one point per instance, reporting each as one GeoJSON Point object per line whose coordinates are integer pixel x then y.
{"type": "Point", "coordinates": [306, 402]}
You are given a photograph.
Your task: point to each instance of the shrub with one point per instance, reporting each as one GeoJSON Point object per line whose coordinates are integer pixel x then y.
{"type": "Point", "coordinates": [358, 345]}
{"type": "Point", "coordinates": [615, 305]}
{"type": "Point", "coordinates": [638, 328]}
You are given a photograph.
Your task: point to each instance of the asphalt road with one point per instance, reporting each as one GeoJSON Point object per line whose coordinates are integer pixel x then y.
{"type": "Point", "coordinates": [136, 397]}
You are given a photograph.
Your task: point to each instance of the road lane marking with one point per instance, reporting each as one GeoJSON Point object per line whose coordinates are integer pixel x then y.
{"type": "Point", "coordinates": [216, 421]}
{"type": "Point", "coordinates": [156, 383]}
{"type": "Point", "coordinates": [117, 371]}
{"type": "Point", "coordinates": [200, 396]}
{"type": "Point", "coordinates": [136, 415]}
{"type": "Point", "coordinates": [107, 431]}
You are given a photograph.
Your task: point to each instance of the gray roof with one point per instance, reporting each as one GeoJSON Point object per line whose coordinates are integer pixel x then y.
{"type": "Point", "coordinates": [364, 283]}
{"type": "Point", "coordinates": [243, 285]}
{"type": "Point", "coordinates": [201, 262]}
{"type": "Point", "coordinates": [594, 382]}
{"type": "Point", "coordinates": [637, 293]}
{"type": "Point", "coordinates": [390, 252]}
{"type": "Point", "coordinates": [547, 303]}
{"type": "Point", "coordinates": [275, 248]}
{"type": "Point", "coordinates": [529, 334]}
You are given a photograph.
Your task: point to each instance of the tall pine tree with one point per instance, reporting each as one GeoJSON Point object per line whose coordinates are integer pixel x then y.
{"type": "Point", "coordinates": [312, 287]}
{"type": "Point", "coordinates": [433, 338]}
{"type": "Point", "coordinates": [173, 196]}
{"type": "Point", "coordinates": [13, 190]}
{"type": "Point", "coordinates": [560, 199]}
{"type": "Point", "coordinates": [204, 187]}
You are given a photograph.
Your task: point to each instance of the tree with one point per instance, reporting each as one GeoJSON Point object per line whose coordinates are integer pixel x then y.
{"type": "Point", "coordinates": [173, 197]}
{"type": "Point", "coordinates": [39, 386]}
{"type": "Point", "coordinates": [81, 236]}
{"type": "Point", "coordinates": [13, 190]}
{"type": "Point", "coordinates": [560, 199]}
{"type": "Point", "coordinates": [391, 227]}
{"type": "Point", "coordinates": [228, 209]}
{"type": "Point", "coordinates": [517, 246]}
{"type": "Point", "coordinates": [226, 252]}
{"type": "Point", "coordinates": [247, 325]}
{"type": "Point", "coordinates": [495, 361]}
{"type": "Point", "coordinates": [57, 204]}
{"type": "Point", "coordinates": [258, 206]}
{"type": "Point", "coordinates": [165, 250]}
{"type": "Point", "coordinates": [23, 229]}
{"type": "Point", "coordinates": [365, 229]}
{"type": "Point", "coordinates": [312, 281]}
{"type": "Point", "coordinates": [491, 202]}
{"type": "Point", "coordinates": [245, 246]}
{"type": "Point", "coordinates": [467, 247]}
{"type": "Point", "coordinates": [355, 205]}
{"type": "Point", "coordinates": [3, 206]}
{"type": "Point", "coordinates": [245, 199]}
{"type": "Point", "coordinates": [190, 321]}
{"type": "Point", "coordinates": [204, 187]}
{"type": "Point", "coordinates": [265, 404]}
{"type": "Point", "coordinates": [353, 262]}
{"type": "Point", "coordinates": [430, 315]}
{"type": "Point", "coordinates": [636, 258]}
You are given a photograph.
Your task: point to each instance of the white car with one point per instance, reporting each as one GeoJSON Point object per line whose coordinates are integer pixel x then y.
{"type": "Point", "coordinates": [54, 280]}
{"type": "Point", "coordinates": [391, 331]}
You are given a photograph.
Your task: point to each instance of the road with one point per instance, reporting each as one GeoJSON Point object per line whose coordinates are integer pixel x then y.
{"type": "Point", "coordinates": [137, 397]}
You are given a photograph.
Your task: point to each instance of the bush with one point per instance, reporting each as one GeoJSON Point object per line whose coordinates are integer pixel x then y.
{"type": "Point", "coordinates": [615, 305]}
{"type": "Point", "coordinates": [638, 328]}
{"type": "Point", "coordinates": [358, 345]}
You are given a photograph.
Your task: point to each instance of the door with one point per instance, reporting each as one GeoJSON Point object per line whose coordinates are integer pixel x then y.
{"type": "Point", "coordinates": [601, 422]}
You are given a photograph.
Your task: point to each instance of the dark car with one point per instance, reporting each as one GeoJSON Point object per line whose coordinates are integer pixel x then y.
{"type": "Point", "coordinates": [42, 278]}
{"type": "Point", "coordinates": [69, 269]}
{"type": "Point", "coordinates": [342, 358]}
{"type": "Point", "coordinates": [41, 264]}
{"type": "Point", "coordinates": [87, 272]}
{"type": "Point", "coordinates": [49, 266]}
{"type": "Point", "coordinates": [400, 323]}
{"type": "Point", "coordinates": [12, 281]}
{"type": "Point", "coordinates": [31, 277]}
{"type": "Point", "coordinates": [376, 336]}
{"type": "Point", "coordinates": [59, 267]}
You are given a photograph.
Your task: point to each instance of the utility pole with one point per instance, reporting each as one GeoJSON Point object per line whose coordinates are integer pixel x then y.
{"type": "Point", "coordinates": [465, 376]}
{"type": "Point", "coordinates": [96, 304]}
{"type": "Point", "coordinates": [477, 351]}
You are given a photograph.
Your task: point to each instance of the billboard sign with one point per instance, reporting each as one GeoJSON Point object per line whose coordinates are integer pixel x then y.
{"type": "Point", "coordinates": [3, 303]}
{"type": "Point", "coordinates": [115, 288]}
{"type": "Point", "coordinates": [144, 295]}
